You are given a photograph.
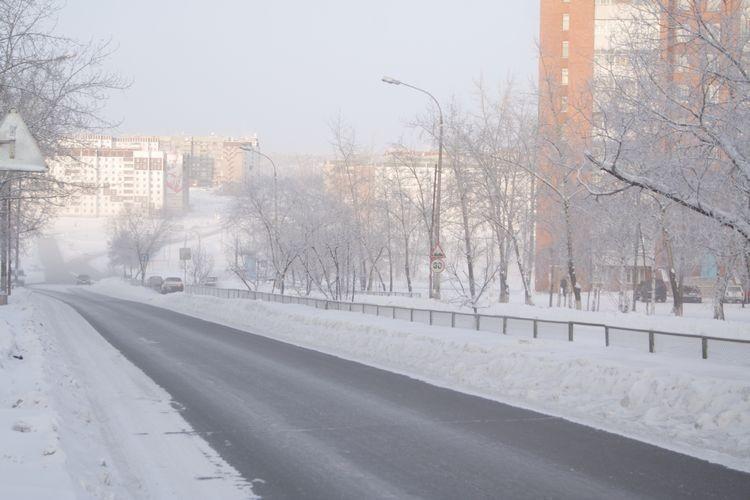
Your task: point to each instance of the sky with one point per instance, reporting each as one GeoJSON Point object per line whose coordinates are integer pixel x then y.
{"type": "Point", "coordinates": [285, 68]}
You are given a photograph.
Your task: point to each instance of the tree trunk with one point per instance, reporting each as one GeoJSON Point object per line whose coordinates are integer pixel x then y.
{"type": "Point", "coordinates": [571, 263]}
{"type": "Point", "coordinates": [407, 267]}
{"type": "Point", "coordinates": [722, 280]}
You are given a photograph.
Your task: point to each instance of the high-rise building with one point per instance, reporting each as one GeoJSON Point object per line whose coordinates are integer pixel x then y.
{"type": "Point", "coordinates": [231, 160]}
{"type": "Point", "coordinates": [114, 174]}
{"type": "Point", "coordinates": [578, 47]}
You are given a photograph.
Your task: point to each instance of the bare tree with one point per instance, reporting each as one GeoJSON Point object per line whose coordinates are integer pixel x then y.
{"type": "Point", "coordinates": [136, 238]}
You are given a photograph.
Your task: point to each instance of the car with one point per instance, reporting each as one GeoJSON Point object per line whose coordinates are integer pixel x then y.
{"type": "Point", "coordinates": [643, 292]}
{"type": "Point", "coordinates": [733, 295]}
{"type": "Point", "coordinates": [155, 282]}
{"type": "Point", "coordinates": [210, 281]}
{"type": "Point", "coordinates": [83, 279]}
{"type": "Point", "coordinates": [692, 294]}
{"type": "Point", "coordinates": [19, 278]}
{"type": "Point", "coordinates": [171, 285]}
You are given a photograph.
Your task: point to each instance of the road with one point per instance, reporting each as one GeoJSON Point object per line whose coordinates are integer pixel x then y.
{"type": "Point", "coordinates": [302, 424]}
{"type": "Point", "coordinates": [56, 270]}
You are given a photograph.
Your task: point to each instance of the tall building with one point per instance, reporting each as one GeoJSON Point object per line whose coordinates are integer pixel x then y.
{"type": "Point", "coordinates": [577, 47]}
{"type": "Point", "coordinates": [230, 161]}
{"type": "Point", "coordinates": [114, 174]}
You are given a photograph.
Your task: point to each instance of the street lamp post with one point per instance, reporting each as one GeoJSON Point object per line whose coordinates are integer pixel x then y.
{"type": "Point", "coordinates": [436, 190]}
{"type": "Point", "coordinates": [275, 199]}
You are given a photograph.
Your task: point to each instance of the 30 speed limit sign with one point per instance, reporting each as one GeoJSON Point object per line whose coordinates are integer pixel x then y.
{"type": "Point", "coordinates": [437, 265]}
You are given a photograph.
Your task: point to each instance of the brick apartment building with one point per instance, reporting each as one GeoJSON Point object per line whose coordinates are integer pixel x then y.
{"type": "Point", "coordinates": [574, 35]}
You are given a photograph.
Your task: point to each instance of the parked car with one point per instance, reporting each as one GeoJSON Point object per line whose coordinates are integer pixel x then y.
{"type": "Point", "coordinates": [734, 295]}
{"type": "Point", "coordinates": [171, 285]}
{"type": "Point", "coordinates": [210, 281]}
{"type": "Point", "coordinates": [19, 278]}
{"type": "Point", "coordinates": [83, 279]}
{"type": "Point", "coordinates": [155, 282]}
{"type": "Point", "coordinates": [643, 292]}
{"type": "Point", "coordinates": [692, 294]}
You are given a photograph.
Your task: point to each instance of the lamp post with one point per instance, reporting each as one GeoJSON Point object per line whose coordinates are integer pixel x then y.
{"type": "Point", "coordinates": [275, 200]}
{"type": "Point", "coordinates": [434, 272]}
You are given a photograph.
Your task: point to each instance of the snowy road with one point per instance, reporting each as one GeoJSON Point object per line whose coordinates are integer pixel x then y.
{"type": "Point", "coordinates": [302, 424]}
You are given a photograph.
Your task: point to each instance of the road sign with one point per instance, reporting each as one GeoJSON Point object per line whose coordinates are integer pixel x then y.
{"type": "Point", "coordinates": [437, 265]}
{"type": "Point", "coordinates": [437, 252]}
{"type": "Point", "coordinates": [19, 151]}
{"type": "Point", "coordinates": [185, 254]}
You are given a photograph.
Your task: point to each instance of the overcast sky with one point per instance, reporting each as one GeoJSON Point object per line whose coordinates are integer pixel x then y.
{"type": "Point", "coordinates": [284, 68]}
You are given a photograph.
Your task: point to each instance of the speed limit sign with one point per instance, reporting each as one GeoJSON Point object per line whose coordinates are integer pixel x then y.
{"type": "Point", "coordinates": [437, 265]}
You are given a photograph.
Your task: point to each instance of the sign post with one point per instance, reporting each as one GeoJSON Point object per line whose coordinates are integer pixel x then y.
{"type": "Point", "coordinates": [185, 256]}
{"type": "Point", "coordinates": [19, 152]}
{"type": "Point", "coordinates": [437, 260]}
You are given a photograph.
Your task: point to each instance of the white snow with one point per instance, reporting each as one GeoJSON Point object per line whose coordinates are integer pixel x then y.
{"type": "Point", "coordinates": [77, 420]}
{"type": "Point", "coordinates": [693, 406]}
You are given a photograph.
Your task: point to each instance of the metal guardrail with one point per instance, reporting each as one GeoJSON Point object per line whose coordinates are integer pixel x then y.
{"type": "Point", "coordinates": [393, 294]}
{"type": "Point", "coordinates": [561, 330]}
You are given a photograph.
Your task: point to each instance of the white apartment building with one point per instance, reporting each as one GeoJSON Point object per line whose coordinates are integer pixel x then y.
{"type": "Point", "coordinates": [114, 174]}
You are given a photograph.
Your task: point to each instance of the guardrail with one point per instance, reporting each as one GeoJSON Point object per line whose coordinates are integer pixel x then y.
{"type": "Point", "coordinates": [726, 349]}
{"type": "Point", "coordinates": [393, 294]}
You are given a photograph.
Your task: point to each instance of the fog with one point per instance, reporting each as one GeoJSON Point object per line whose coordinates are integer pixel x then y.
{"type": "Point", "coordinates": [283, 69]}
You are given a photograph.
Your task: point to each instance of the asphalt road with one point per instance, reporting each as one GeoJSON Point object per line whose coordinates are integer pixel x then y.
{"type": "Point", "coordinates": [309, 425]}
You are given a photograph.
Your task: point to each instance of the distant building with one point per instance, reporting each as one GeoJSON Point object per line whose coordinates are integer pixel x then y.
{"type": "Point", "coordinates": [116, 173]}
{"type": "Point", "coordinates": [113, 174]}
{"type": "Point", "coordinates": [230, 162]}
{"type": "Point", "coordinates": [147, 172]}
{"type": "Point", "coordinates": [200, 170]}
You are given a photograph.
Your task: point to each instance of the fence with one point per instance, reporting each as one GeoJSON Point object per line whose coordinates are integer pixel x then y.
{"type": "Point", "coordinates": [735, 351]}
{"type": "Point", "coordinates": [393, 294]}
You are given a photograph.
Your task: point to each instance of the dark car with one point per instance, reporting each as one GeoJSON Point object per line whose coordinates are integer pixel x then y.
{"type": "Point", "coordinates": [171, 285]}
{"type": "Point", "coordinates": [83, 279]}
{"type": "Point", "coordinates": [155, 282]}
{"type": "Point", "coordinates": [692, 294]}
{"type": "Point", "coordinates": [643, 292]}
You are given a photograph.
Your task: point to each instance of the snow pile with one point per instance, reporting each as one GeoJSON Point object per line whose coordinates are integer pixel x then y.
{"type": "Point", "coordinates": [693, 406]}
{"type": "Point", "coordinates": [32, 463]}
{"type": "Point", "coordinates": [77, 420]}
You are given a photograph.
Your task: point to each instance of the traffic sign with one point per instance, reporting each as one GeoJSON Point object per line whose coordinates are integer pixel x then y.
{"type": "Point", "coordinates": [437, 252]}
{"type": "Point", "coordinates": [437, 265]}
{"type": "Point", "coordinates": [185, 253]}
{"type": "Point", "coordinates": [19, 151]}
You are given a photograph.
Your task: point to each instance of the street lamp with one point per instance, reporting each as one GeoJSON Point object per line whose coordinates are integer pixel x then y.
{"type": "Point", "coordinates": [275, 201]}
{"type": "Point", "coordinates": [436, 253]}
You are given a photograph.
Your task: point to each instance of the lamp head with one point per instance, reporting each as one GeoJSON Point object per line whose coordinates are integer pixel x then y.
{"type": "Point", "coordinates": [392, 81]}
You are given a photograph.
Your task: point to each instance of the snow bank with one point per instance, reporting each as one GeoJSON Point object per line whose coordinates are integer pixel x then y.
{"type": "Point", "coordinates": [77, 420]}
{"type": "Point", "coordinates": [693, 406]}
{"type": "Point", "coordinates": [32, 465]}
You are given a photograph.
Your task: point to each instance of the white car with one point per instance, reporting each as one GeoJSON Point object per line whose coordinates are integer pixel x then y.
{"type": "Point", "coordinates": [171, 285]}
{"type": "Point", "coordinates": [734, 295]}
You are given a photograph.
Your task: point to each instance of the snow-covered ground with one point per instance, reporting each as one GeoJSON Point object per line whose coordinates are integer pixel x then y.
{"type": "Point", "coordinates": [77, 420]}
{"type": "Point", "coordinates": [697, 407]}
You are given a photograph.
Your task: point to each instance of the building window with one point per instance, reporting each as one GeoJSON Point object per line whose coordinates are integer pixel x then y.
{"type": "Point", "coordinates": [565, 49]}
{"type": "Point", "coordinates": [564, 104]}
{"type": "Point", "coordinates": [564, 76]}
{"type": "Point", "coordinates": [714, 5]}
{"type": "Point", "coordinates": [566, 22]}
